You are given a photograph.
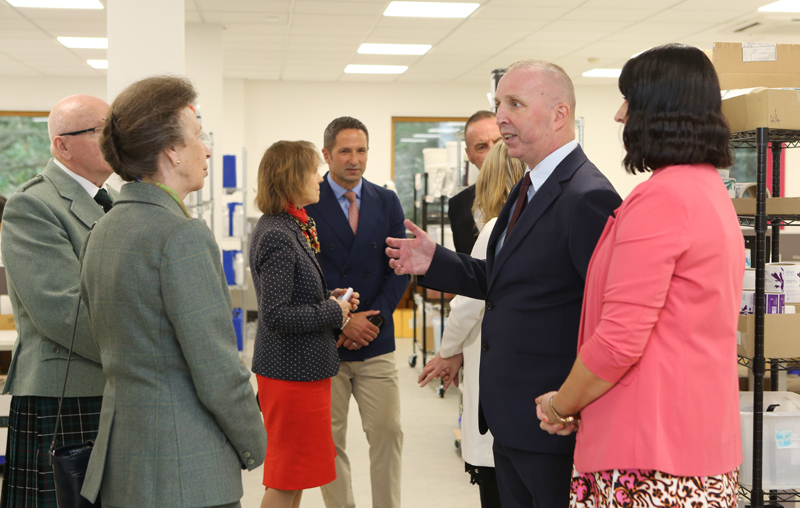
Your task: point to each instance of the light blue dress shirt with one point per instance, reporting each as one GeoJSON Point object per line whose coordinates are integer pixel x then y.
{"type": "Point", "coordinates": [539, 175]}
{"type": "Point", "coordinates": [339, 191]}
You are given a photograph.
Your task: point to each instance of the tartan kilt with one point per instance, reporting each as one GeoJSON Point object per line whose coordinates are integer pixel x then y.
{"type": "Point", "coordinates": [28, 481]}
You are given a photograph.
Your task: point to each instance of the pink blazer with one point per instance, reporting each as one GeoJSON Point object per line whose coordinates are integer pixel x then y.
{"type": "Point", "coordinates": [659, 319]}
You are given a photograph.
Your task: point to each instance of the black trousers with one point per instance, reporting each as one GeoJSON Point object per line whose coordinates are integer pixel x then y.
{"type": "Point", "coordinates": [486, 479]}
{"type": "Point", "coordinates": [532, 480]}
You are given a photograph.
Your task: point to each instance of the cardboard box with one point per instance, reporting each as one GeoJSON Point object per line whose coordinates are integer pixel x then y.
{"type": "Point", "coordinates": [781, 332]}
{"type": "Point", "coordinates": [6, 321]}
{"type": "Point", "coordinates": [403, 322]}
{"type": "Point", "coordinates": [757, 64]}
{"type": "Point", "coordinates": [775, 206]}
{"type": "Point", "coordinates": [763, 107]}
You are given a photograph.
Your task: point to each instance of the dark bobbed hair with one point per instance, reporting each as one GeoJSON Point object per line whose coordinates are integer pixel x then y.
{"type": "Point", "coordinates": [144, 120]}
{"type": "Point", "coordinates": [282, 174]}
{"type": "Point", "coordinates": [673, 110]}
{"type": "Point", "coordinates": [338, 125]}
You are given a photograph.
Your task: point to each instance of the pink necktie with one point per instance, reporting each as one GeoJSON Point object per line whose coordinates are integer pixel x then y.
{"type": "Point", "coordinates": [352, 214]}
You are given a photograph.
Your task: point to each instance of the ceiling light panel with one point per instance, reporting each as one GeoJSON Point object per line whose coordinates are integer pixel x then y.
{"type": "Point", "coordinates": [375, 69]}
{"type": "Point", "coordinates": [430, 9]}
{"type": "Point", "coordinates": [602, 73]}
{"type": "Point", "coordinates": [782, 6]}
{"type": "Point", "coordinates": [84, 42]}
{"type": "Point", "coordinates": [57, 4]}
{"type": "Point", "coordinates": [393, 49]}
{"type": "Point", "coordinates": [98, 64]}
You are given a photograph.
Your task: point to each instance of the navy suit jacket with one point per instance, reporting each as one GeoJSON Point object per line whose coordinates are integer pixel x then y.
{"type": "Point", "coordinates": [462, 222]}
{"type": "Point", "coordinates": [533, 291]}
{"type": "Point", "coordinates": [359, 261]}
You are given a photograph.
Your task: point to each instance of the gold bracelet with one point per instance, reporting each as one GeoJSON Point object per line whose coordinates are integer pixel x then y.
{"type": "Point", "coordinates": [345, 322]}
{"type": "Point", "coordinates": [563, 421]}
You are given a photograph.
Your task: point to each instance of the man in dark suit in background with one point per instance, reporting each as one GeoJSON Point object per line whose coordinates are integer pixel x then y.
{"type": "Point", "coordinates": [480, 134]}
{"type": "Point", "coordinates": [532, 280]}
{"type": "Point", "coordinates": [354, 217]}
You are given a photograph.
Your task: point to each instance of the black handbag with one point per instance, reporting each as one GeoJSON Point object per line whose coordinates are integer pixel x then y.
{"type": "Point", "coordinates": [70, 462]}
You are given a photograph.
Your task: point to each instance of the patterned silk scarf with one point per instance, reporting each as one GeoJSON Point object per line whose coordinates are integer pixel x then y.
{"type": "Point", "coordinates": [306, 225]}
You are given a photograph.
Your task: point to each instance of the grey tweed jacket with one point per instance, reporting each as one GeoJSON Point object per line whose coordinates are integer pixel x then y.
{"type": "Point", "coordinates": [179, 418]}
{"type": "Point", "coordinates": [295, 339]}
{"type": "Point", "coordinates": [45, 224]}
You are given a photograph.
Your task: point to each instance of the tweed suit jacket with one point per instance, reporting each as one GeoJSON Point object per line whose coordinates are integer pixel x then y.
{"type": "Point", "coordinates": [45, 224]}
{"type": "Point", "coordinates": [179, 418]}
{"type": "Point", "coordinates": [296, 318]}
{"type": "Point", "coordinates": [533, 288]}
{"type": "Point", "coordinates": [359, 261]}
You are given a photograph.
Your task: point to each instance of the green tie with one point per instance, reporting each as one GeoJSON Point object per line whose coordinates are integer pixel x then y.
{"type": "Point", "coordinates": [104, 200]}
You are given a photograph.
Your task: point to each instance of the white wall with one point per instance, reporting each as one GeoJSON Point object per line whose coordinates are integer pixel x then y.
{"type": "Point", "coordinates": [258, 113]}
{"type": "Point", "coordinates": [40, 94]}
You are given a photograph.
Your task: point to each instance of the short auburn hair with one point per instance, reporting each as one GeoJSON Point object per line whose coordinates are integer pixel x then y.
{"type": "Point", "coordinates": [282, 174]}
{"type": "Point", "coordinates": [674, 112]}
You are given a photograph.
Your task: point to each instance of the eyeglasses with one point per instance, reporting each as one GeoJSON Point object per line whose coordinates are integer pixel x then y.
{"type": "Point", "coordinates": [92, 130]}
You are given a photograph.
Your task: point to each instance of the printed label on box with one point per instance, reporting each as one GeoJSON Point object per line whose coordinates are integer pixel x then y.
{"type": "Point", "coordinates": [785, 439]}
{"type": "Point", "coordinates": [759, 52]}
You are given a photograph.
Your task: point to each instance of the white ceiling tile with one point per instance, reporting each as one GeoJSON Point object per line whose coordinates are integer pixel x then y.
{"type": "Point", "coordinates": [640, 12]}
{"type": "Point", "coordinates": [341, 21]}
{"type": "Point", "coordinates": [476, 27]}
{"type": "Point", "coordinates": [576, 27]}
{"type": "Point", "coordinates": [339, 7]}
{"type": "Point", "coordinates": [675, 29]}
{"type": "Point", "coordinates": [74, 28]}
{"type": "Point", "coordinates": [528, 12]}
{"type": "Point", "coordinates": [275, 6]}
{"type": "Point", "coordinates": [246, 18]}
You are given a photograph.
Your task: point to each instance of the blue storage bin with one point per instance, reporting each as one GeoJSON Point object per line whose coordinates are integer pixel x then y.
{"type": "Point", "coordinates": [229, 171]}
{"type": "Point", "coordinates": [238, 326]}
{"type": "Point", "coordinates": [228, 257]}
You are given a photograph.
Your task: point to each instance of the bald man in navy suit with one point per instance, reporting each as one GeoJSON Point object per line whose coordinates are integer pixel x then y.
{"type": "Point", "coordinates": [532, 280]}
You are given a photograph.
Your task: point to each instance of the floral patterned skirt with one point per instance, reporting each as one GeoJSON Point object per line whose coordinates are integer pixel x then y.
{"type": "Point", "coordinates": [634, 488]}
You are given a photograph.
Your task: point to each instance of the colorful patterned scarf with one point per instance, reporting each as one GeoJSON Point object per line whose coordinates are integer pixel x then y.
{"type": "Point", "coordinates": [306, 225]}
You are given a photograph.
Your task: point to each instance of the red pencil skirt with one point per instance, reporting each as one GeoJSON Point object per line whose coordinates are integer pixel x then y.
{"type": "Point", "coordinates": [297, 417]}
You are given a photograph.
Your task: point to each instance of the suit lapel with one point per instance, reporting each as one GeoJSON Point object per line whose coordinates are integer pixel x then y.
{"type": "Point", "coordinates": [301, 239]}
{"type": "Point", "coordinates": [82, 205]}
{"type": "Point", "coordinates": [331, 214]}
{"type": "Point", "coordinates": [537, 206]}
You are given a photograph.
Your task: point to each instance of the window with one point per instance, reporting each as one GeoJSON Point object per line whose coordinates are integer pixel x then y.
{"type": "Point", "coordinates": [410, 135]}
{"type": "Point", "coordinates": [24, 148]}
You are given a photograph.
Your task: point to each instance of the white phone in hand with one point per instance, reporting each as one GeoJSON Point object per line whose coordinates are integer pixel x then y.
{"type": "Point", "coordinates": [346, 296]}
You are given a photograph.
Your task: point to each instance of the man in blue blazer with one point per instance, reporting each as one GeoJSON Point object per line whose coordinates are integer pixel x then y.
{"type": "Point", "coordinates": [532, 280]}
{"type": "Point", "coordinates": [354, 217]}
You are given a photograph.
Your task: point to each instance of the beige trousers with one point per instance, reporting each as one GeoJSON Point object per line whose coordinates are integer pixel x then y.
{"type": "Point", "coordinates": [375, 386]}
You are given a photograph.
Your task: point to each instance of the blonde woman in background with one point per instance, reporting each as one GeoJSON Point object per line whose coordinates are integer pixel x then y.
{"type": "Point", "coordinates": [461, 339]}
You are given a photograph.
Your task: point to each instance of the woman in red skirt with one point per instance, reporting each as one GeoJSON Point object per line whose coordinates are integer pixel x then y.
{"type": "Point", "coordinates": [295, 350]}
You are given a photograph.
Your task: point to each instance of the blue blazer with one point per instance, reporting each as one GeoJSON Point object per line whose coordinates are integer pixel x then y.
{"type": "Point", "coordinates": [360, 261]}
{"type": "Point", "coordinates": [533, 291]}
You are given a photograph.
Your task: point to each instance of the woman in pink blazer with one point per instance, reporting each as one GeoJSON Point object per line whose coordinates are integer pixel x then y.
{"type": "Point", "coordinates": [653, 393]}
